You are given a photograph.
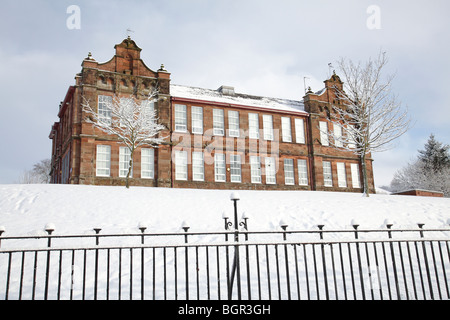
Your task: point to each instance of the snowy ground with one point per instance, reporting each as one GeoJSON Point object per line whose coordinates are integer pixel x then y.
{"type": "Point", "coordinates": [26, 209]}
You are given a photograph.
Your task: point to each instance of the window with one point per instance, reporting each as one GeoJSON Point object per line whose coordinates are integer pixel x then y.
{"type": "Point", "coordinates": [126, 110]}
{"type": "Point", "coordinates": [324, 133]}
{"type": "Point", "coordinates": [286, 129]}
{"type": "Point", "coordinates": [268, 127]}
{"type": "Point", "coordinates": [181, 165]}
{"type": "Point", "coordinates": [218, 122]}
{"type": "Point", "coordinates": [103, 162]}
{"type": "Point", "coordinates": [270, 170]}
{"type": "Point", "coordinates": [198, 169]}
{"type": "Point", "coordinates": [289, 171]}
{"type": "Point", "coordinates": [255, 168]}
{"type": "Point", "coordinates": [354, 168]}
{"type": "Point", "coordinates": [124, 162]}
{"type": "Point", "coordinates": [253, 126]}
{"type": "Point", "coordinates": [219, 167]}
{"type": "Point", "coordinates": [327, 176]}
{"type": "Point", "coordinates": [235, 168]}
{"type": "Point", "coordinates": [147, 163]}
{"type": "Point", "coordinates": [147, 106]}
{"type": "Point", "coordinates": [351, 134]}
{"type": "Point", "coordinates": [104, 109]}
{"type": "Point", "coordinates": [342, 177]}
{"type": "Point", "coordinates": [337, 128]}
{"type": "Point", "coordinates": [197, 119]}
{"type": "Point", "coordinates": [65, 174]}
{"type": "Point", "coordinates": [299, 131]}
{"type": "Point", "coordinates": [233, 123]}
{"type": "Point", "coordinates": [180, 118]}
{"type": "Point", "coordinates": [302, 172]}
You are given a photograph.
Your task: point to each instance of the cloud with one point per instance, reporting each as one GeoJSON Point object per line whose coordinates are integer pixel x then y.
{"type": "Point", "coordinates": [261, 47]}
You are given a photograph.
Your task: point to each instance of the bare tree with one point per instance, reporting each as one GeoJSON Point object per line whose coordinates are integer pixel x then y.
{"type": "Point", "coordinates": [369, 114]}
{"type": "Point", "coordinates": [417, 175]}
{"type": "Point", "coordinates": [39, 174]}
{"type": "Point", "coordinates": [132, 121]}
{"type": "Point", "coordinates": [430, 171]}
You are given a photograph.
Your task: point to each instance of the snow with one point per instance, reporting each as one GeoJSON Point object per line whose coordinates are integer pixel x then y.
{"type": "Point", "coordinates": [237, 99]}
{"type": "Point", "coordinates": [76, 209]}
{"type": "Point", "coordinates": [27, 210]}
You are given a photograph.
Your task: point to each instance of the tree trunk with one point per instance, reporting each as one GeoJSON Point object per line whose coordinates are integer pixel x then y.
{"type": "Point", "coordinates": [364, 174]}
{"type": "Point", "coordinates": [130, 166]}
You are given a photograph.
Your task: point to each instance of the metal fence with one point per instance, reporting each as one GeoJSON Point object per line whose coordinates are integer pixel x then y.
{"type": "Point", "coordinates": [232, 264]}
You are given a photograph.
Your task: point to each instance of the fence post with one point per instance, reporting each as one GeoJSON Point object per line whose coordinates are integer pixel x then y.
{"type": "Point", "coordinates": [421, 229]}
{"type": "Point", "coordinates": [2, 229]}
{"type": "Point", "coordinates": [236, 267]}
{"type": "Point", "coordinates": [283, 226]}
{"type": "Point", "coordinates": [320, 226]}
{"type": "Point", "coordinates": [142, 227]}
{"type": "Point", "coordinates": [389, 225]}
{"type": "Point", "coordinates": [185, 227]}
{"type": "Point", "coordinates": [355, 226]}
{"type": "Point", "coordinates": [49, 228]}
{"type": "Point", "coordinates": [97, 231]}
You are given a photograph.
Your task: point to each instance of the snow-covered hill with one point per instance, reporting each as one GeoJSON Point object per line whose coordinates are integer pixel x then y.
{"type": "Point", "coordinates": [26, 209]}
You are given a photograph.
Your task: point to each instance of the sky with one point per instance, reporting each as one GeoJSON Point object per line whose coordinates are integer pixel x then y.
{"type": "Point", "coordinates": [261, 47]}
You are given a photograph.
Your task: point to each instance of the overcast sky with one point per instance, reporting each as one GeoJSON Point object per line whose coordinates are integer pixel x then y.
{"type": "Point", "coordinates": [260, 47]}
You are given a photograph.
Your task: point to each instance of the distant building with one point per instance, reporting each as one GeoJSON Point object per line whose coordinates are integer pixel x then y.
{"type": "Point", "coordinates": [420, 192]}
{"type": "Point", "coordinates": [217, 139]}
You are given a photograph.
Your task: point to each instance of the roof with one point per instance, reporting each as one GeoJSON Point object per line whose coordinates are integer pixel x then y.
{"type": "Point", "coordinates": [236, 99]}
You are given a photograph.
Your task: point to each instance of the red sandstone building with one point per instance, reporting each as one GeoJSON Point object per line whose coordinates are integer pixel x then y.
{"type": "Point", "coordinates": [217, 139]}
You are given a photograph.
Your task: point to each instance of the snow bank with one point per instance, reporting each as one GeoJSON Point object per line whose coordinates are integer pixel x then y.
{"type": "Point", "coordinates": [73, 209]}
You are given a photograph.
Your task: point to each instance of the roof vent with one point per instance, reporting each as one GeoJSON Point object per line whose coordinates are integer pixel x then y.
{"type": "Point", "coordinates": [227, 90]}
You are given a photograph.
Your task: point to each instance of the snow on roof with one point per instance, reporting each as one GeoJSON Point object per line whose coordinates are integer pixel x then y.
{"type": "Point", "coordinates": [179, 91]}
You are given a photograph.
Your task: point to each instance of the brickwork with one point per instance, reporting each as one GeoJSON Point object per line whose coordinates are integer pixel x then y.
{"type": "Point", "coordinates": [75, 142]}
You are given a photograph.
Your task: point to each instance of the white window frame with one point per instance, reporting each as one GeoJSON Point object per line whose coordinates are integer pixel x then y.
{"type": "Point", "coordinates": [253, 126]}
{"type": "Point", "coordinates": [124, 162]}
{"type": "Point", "coordinates": [356, 180]}
{"type": "Point", "coordinates": [337, 131]}
{"type": "Point", "coordinates": [268, 127]}
{"type": "Point", "coordinates": [198, 166]}
{"type": "Point", "coordinates": [324, 133]}
{"type": "Point", "coordinates": [104, 109]}
{"type": "Point", "coordinates": [302, 172]}
{"type": "Point", "coordinates": [220, 173]}
{"type": "Point", "coordinates": [126, 110]}
{"type": "Point", "coordinates": [218, 122]}
{"type": "Point", "coordinates": [299, 130]}
{"type": "Point", "coordinates": [103, 161]}
{"type": "Point", "coordinates": [327, 174]}
{"type": "Point", "coordinates": [233, 123]}
{"type": "Point", "coordinates": [147, 163]}
{"type": "Point", "coordinates": [235, 168]}
{"type": "Point", "coordinates": [255, 169]}
{"type": "Point", "coordinates": [181, 163]}
{"type": "Point", "coordinates": [180, 118]}
{"type": "Point", "coordinates": [289, 172]}
{"type": "Point", "coordinates": [286, 130]}
{"type": "Point", "coordinates": [351, 136]}
{"type": "Point", "coordinates": [341, 174]}
{"type": "Point", "coordinates": [270, 168]}
{"type": "Point", "coordinates": [148, 106]}
{"type": "Point", "coordinates": [197, 119]}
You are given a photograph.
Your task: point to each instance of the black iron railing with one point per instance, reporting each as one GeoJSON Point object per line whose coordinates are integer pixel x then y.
{"type": "Point", "coordinates": [230, 264]}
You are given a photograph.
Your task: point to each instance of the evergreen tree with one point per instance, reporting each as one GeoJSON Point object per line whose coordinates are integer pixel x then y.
{"type": "Point", "coordinates": [430, 171]}
{"type": "Point", "coordinates": [436, 156]}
